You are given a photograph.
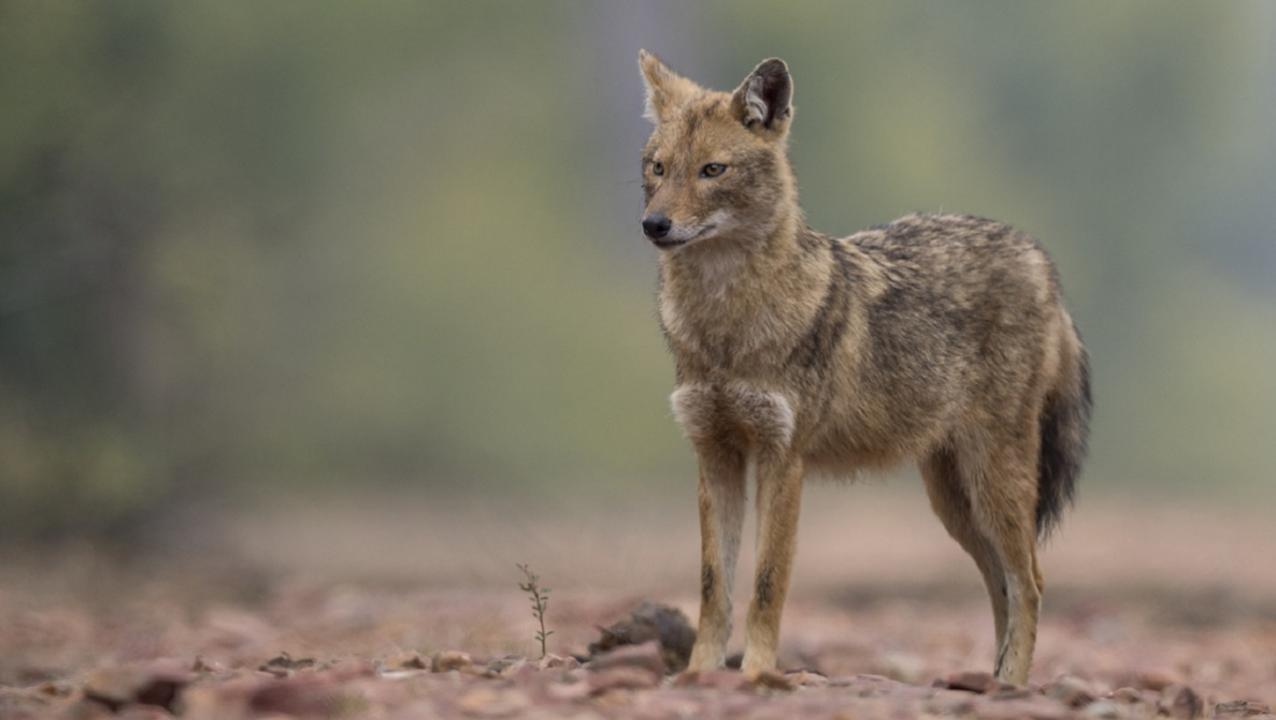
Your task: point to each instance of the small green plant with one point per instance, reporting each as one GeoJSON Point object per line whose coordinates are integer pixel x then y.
{"type": "Point", "coordinates": [540, 601]}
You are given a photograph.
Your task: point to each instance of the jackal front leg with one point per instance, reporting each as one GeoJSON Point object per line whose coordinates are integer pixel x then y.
{"type": "Point", "coordinates": [779, 497]}
{"type": "Point", "coordinates": [722, 494]}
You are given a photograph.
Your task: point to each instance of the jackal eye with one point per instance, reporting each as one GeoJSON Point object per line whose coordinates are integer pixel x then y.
{"type": "Point", "coordinates": [657, 168]}
{"type": "Point", "coordinates": [712, 170]}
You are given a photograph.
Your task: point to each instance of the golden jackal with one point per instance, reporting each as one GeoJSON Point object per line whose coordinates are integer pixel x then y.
{"type": "Point", "coordinates": [936, 337]}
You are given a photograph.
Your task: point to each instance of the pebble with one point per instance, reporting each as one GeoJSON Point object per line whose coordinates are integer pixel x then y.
{"type": "Point", "coordinates": [1104, 709]}
{"type": "Point", "coordinates": [1181, 701]}
{"type": "Point", "coordinates": [1071, 690]}
{"type": "Point", "coordinates": [446, 660]}
{"type": "Point", "coordinates": [1241, 708]}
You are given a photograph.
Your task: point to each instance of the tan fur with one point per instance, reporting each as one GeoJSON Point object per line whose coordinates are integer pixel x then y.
{"type": "Point", "coordinates": [937, 338]}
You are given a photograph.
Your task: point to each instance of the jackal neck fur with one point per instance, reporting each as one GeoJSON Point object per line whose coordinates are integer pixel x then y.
{"type": "Point", "coordinates": [738, 305]}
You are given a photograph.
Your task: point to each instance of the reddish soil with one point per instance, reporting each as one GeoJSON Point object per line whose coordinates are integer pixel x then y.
{"type": "Point", "coordinates": [415, 613]}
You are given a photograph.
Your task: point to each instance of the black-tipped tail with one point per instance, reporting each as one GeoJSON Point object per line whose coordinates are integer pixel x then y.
{"type": "Point", "coordinates": [1065, 428]}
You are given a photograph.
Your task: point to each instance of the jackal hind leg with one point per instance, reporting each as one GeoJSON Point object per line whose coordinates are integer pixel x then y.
{"type": "Point", "coordinates": [779, 498]}
{"type": "Point", "coordinates": [1002, 487]}
{"type": "Point", "coordinates": [721, 498]}
{"type": "Point", "coordinates": [949, 500]}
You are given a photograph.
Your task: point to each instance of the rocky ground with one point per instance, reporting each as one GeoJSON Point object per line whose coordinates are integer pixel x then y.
{"type": "Point", "coordinates": [288, 635]}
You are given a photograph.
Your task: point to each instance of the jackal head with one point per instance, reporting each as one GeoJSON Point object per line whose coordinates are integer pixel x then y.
{"type": "Point", "coordinates": [716, 166]}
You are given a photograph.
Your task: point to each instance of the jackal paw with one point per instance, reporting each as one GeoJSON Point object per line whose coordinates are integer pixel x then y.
{"type": "Point", "coordinates": [705, 658]}
{"type": "Point", "coordinates": [756, 664]}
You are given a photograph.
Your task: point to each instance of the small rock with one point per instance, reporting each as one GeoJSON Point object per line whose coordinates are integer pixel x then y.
{"type": "Point", "coordinates": [1181, 701]}
{"type": "Point", "coordinates": [203, 665]}
{"type": "Point", "coordinates": [550, 662]}
{"type": "Point", "coordinates": [772, 680]}
{"type": "Point", "coordinates": [646, 656]}
{"type": "Point", "coordinates": [54, 689]}
{"type": "Point", "coordinates": [978, 682]}
{"type": "Point", "coordinates": [392, 674]}
{"type": "Point", "coordinates": [1240, 708]}
{"type": "Point", "coordinates": [667, 625]}
{"type": "Point", "coordinates": [445, 660]}
{"type": "Point", "coordinates": [1071, 690]}
{"type": "Point", "coordinates": [1127, 695]}
{"type": "Point", "coordinates": [283, 665]}
{"type": "Point", "coordinates": [505, 665]}
{"type": "Point", "coordinates": [1104, 709]}
{"type": "Point", "coordinates": [406, 661]}
{"type": "Point", "coordinates": [156, 684]}
{"type": "Point", "coordinates": [806, 678]}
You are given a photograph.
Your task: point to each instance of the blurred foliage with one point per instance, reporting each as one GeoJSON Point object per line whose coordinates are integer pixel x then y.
{"type": "Point", "coordinates": [295, 245]}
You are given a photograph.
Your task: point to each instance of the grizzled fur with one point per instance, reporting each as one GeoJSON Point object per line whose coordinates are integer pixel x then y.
{"type": "Point", "coordinates": [937, 338]}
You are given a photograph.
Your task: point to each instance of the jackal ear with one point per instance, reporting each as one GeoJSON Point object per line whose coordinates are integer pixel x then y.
{"type": "Point", "coordinates": [666, 89]}
{"type": "Point", "coordinates": [763, 100]}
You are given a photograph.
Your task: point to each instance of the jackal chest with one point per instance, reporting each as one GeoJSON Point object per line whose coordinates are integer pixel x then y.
{"type": "Point", "coordinates": [729, 331]}
{"type": "Point", "coordinates": [734, 412]}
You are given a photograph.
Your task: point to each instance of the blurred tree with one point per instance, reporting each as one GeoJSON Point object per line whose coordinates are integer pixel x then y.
{"type": "Point", "coordinates": [246, 247]}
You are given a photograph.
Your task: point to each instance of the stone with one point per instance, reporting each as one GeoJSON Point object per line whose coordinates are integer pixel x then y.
{"type": "Point", "coordinates": [667, 626]}
{"type": "Point", "coordinates": [1181, 701]}
{"type": "Point", "coordinates": [158, 684]}
{"type": "Point", "coordinates": [1105, 709]}
{"type": "Point", "coordinates": [978, 682]}
{"type": "Point", "coordinates": [806, 678]}
{"type": "Point", "coordinates": [772, 680]}
{"type": "Point", "coordinates": [1071, 690]}
{"type": "Point", "coordinates": [1241, 708]}
{"type": "Point", "coordinates": [446, 660]}
{"type": "Point", "coordinates": [283, 665]}
{"type": "Point", "coordinates": [508, 664]}
{"type": "Point", "coordinates": [407, 661]}
{"type": "Point", "coordinates": [553, 662]}
{"type": "Point", "coordinates": [1127, 695]}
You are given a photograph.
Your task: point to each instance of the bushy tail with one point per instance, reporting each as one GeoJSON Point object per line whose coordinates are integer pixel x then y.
{"type": "Point", "coordinates": [1065, 427]}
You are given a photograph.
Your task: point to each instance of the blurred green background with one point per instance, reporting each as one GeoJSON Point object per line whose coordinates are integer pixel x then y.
{"type": "Point", "coordinates": [285, 249]}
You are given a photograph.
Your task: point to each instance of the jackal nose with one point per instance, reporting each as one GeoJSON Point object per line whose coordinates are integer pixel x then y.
{"type": "Point", "coordinates": [656, 226]}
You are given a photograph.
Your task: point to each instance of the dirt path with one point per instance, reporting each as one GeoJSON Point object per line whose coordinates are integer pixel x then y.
{"type": "Point", "coordinates": [331, 636]}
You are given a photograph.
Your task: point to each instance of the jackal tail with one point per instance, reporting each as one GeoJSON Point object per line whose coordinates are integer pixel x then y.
{"type": "Point", "coordinates": [1065, 428]}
